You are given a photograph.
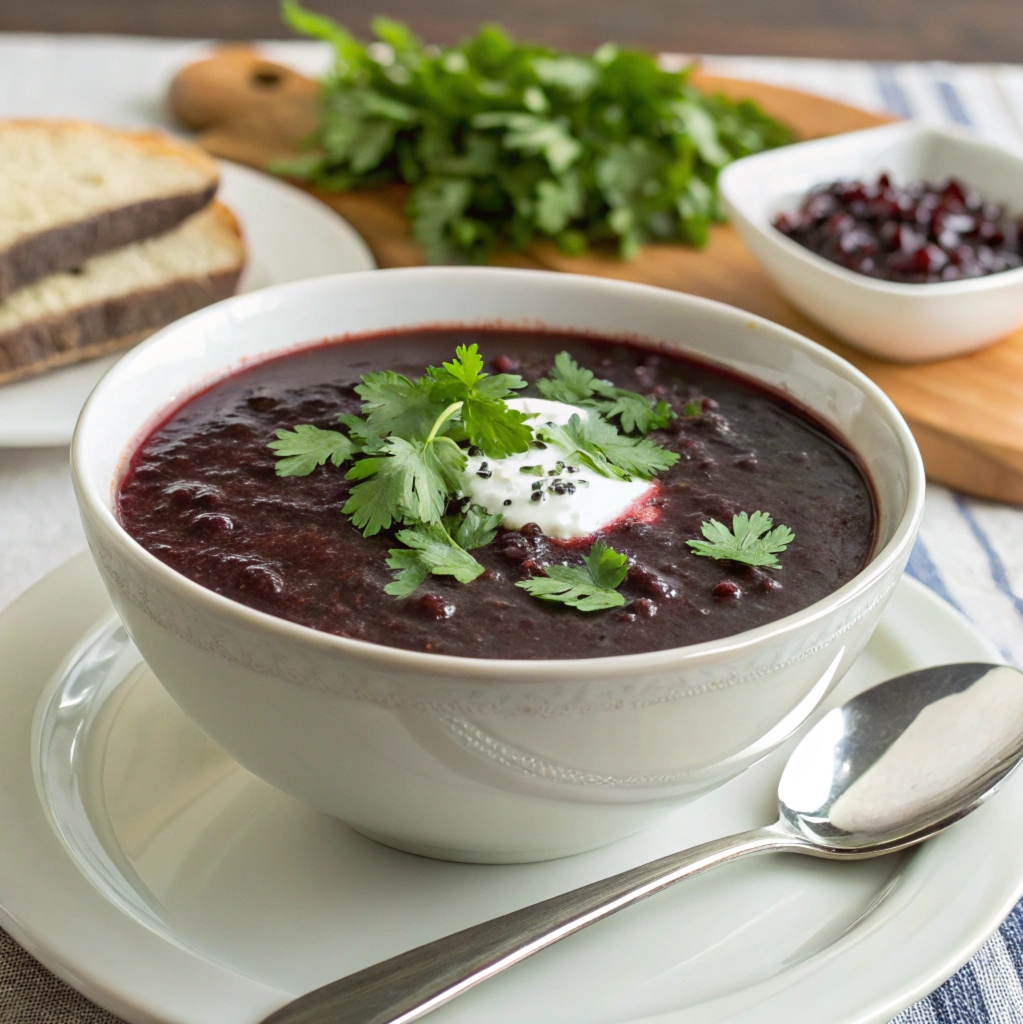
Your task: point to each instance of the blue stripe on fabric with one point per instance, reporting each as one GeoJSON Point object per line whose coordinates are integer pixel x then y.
{"type": "Point", "coordinates": [952, 103]}
{"type": "Point", "coordinates": [960, 1000]}
{"type": "Point", "coordinates": [919, 1013]}
{"type": "Point", "coordinates": [922, 568]}
{"type": "Point", "coordinates": [1012, 933]}
{"type": "Point", "coordinates": [892, 94]}
{"type": "Point", "coordinates": [998, 571]}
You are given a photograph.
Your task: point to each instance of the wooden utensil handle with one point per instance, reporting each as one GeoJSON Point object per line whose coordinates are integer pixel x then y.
{"type": "Point", "coordinates": [232, 84]}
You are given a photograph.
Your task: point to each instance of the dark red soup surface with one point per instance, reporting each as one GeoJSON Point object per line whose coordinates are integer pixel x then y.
{"type": "Point", "coordinates": [202, 495]}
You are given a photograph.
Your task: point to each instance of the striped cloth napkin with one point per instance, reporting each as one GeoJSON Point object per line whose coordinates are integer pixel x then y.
{"type": "Point", "coordinates": [970, 552]}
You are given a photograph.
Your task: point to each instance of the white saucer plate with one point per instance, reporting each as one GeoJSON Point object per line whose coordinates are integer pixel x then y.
{"type": "Point", "coordinates": [142, 865]}
{"type": "Point", "coordinates": [290, 236]}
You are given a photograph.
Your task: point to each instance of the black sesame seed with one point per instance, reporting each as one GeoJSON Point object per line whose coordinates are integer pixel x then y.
{"type": "Point", "coordinates": [538, 444]}
{"type": "Point", "coordinates": [536, 496]}
{"type": "Point", "coordinates": [507, 501]}
{"type": "Point", "coordinates": [570, 487]}
{"type": "Point", "coordinates": [538, 486]}
{"type": "Point", "coordinates": [572, 469]}
{"type": "Point", "coordinates": [485, 474]}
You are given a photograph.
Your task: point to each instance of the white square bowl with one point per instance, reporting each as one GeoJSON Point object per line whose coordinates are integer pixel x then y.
{"type": "Point", "coordinates": [901, 322]}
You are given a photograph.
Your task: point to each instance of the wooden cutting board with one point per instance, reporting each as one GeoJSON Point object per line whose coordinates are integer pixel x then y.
{"type": "Point", "coordinates": [966, 413]}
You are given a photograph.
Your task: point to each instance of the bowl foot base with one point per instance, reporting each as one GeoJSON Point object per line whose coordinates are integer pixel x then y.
{"type": "Point", "coordinates": [479, 856]}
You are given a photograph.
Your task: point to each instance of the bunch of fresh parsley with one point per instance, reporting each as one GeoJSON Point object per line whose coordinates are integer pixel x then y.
{"type": "Point", "coordinates": [408, 451]}
{"type": "Point", "coordinates": [504, 142]}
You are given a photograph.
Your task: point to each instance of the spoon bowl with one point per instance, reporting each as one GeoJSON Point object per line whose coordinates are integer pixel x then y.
{"type": "Point", "coordinates": [904, 759]}
{"type": "Point", "coordinates": [894, 766]}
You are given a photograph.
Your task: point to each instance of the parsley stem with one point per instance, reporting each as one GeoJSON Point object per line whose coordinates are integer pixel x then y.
{"type": "Point", "coordinates": [443, 418]}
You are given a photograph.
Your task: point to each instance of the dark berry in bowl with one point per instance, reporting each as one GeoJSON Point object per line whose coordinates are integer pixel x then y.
{"type": "Point", "coordinates": [921, 233]}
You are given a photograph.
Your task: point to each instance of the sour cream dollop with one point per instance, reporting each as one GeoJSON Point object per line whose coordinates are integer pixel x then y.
{"type": "Point", "coordinates": [567, 501]}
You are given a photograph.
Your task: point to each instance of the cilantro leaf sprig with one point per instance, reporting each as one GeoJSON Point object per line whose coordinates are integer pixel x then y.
{"type": "Point", "coordinates": [574, 384]}
{"type": "Point", "coordinates": [571, 383]}
{"type": "Point", "coordinates": [408, 449]}
{"type": "Point", "coordinates": [411, 479]}
{"type": "Point", "coordinates": [301, 450]}
{"type": "Point", "coordinates": [752, 540]}
{"type": "Point", "coordinates": [636, 414]}
{"type": "Point", "coordinates": [408, 481]}
{"type": "Point", "coordinates": [479, 399]}
{"type": "Point", "coordinates": [440, 549]}
{"type": "Point", "coordinates": [409, 433]}
{"type": "Point", "coordinates": [393, 404]}
{"type": "Point", "coordinates": [420, 409]}
{"type": "Point", "coordinates": [505, 143]}
{"type": "Point", "coordinates": [596, 444]}
{"type": "Point", "coordinates": [475, 528]}
{"type": "Point", "coordinates": [591, 587]}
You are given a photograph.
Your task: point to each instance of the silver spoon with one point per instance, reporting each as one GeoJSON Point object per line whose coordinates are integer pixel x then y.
{"type": "Point", "coordinates": [894, 766]}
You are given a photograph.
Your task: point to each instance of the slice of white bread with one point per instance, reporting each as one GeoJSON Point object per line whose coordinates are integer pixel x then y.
{"type": "Point", "coordinates": [70, 190]}
{"type": "Point", "coordinates": [116, 299]}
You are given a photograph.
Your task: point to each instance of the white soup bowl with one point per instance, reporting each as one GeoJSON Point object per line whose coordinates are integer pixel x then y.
{"type": "Point", "coordinates": [465, 758]}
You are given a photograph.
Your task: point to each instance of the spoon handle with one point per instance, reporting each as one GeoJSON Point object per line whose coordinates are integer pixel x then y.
{"type": "Point", "coordinates": [410, 985]}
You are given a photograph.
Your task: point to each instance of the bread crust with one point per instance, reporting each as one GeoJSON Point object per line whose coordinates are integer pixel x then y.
{"type": "Point", "coordinates": [69, 245]}
{"type": "Point", "coordinates": [92, 331]}
{"type": "Point", "coordinates": [156, 142]}
{"type": "Point", "coordinates": [88, 332]}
